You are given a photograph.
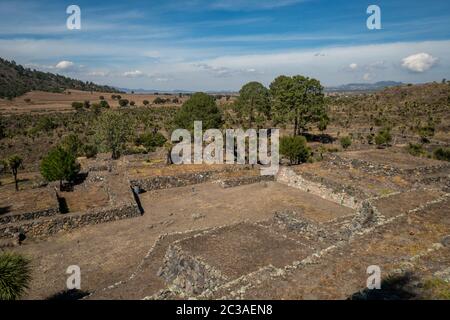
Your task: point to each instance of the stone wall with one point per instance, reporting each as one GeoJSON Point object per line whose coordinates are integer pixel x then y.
{"type": "Point", "coordinates": [188, 274]}
{"type": "Point", "coordinates": [29, 215]}
{"type": "Point", "coordinates": [47, 226]}
{"type": "Point", "coordinates": [240, 181]}
{"type": "Point", "coordinates": [167, 182]}
{"type": "Point", "coordinates": [334, 193]}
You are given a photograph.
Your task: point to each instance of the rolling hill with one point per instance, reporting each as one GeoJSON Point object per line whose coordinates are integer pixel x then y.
{"type": "Point", "coordinates": [15, 80]}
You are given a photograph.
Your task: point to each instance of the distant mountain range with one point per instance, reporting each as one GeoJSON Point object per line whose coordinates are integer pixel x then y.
{"type": "Point", "coordinates": [351, 87]}
{"type": "Point", "coordinates": [363, 87]}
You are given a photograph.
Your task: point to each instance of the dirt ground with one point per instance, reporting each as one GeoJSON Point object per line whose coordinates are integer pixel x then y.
{"type": "Point", "coordinates": [108, 253]}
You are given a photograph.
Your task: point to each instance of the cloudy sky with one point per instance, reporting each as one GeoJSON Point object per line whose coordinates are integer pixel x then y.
{"type": "Point", "coordinates": [222, 44]}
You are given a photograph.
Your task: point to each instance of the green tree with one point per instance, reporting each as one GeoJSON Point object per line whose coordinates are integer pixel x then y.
{"type": "Point", "coordinates": [295, 149]}
{"type": "Point", "coordinates": [298, 100]}
{"type": "Point", "coordinates": [59, 165]}
{"type": "Point", "coordinates": [200, 107]}
{"type": "Point", "coordinates": [72, 144]}
{"type": "Point", "coordinates": [15, 275]}
{"type": "Point", "coordinates": [346, 142]}
{"type": "Point", "coordinates": [14, 163]}
{"type": "Point", "coordinates": [123, 102]}
{"type": "Point", "coordinates": [114, 131]}
{"type": "Point", "coordinates": [253, 104]}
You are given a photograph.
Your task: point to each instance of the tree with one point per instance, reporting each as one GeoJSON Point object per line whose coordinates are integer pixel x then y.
{"type": "Point", "coordinates": [299, 100]}
{"type": "Point", "coordinates": [14, 163]}
{"type": "Point", "coordinates": [59, 165]}
{"type": "Point", "coordinates": [15, 275]}
{"type": "Point", "coordinates": [114, 130]}
{"type": "Point", "coordinates": [253, 104]}
{"type": "Point", "coordinates": [72, 144]}
{"type": "Point", "coordinates": [200, 107]}
{"type": "Point", "coordinates": [295, 149]}
{"type": "Point", "coordinates": [123, 102]}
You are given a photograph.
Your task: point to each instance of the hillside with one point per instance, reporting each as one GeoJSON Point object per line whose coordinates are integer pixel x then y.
{"type": "Point", "coordinates": [15, 80]}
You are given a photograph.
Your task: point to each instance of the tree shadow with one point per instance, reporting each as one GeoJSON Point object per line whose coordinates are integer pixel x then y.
{"type": "Point", "coordinates": [322, 138]}
{"type": "Point", "coordinates": [392, 288]}
{"type": "Point", "coordinates": [72, 294]}
{"type": "Point", "coordinates": [62, 203]}
{"type": "Point", "coordinates": [5, 210]}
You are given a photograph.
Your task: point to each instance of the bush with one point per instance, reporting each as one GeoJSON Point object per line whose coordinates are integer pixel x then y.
{"type": "Point", "coordinates": [104, 104]}
{"type": "Point", "coordinates": [295, 149]}
{"type": "Point", "coordinates": [415, 150]}
{"type": "Point", "coordinates": [159, 100]}
{"type": "Point", "coordinates": [442, 154]}
{"type": "Point", "coordinates": [90, 150]}
{"type": "Point", "coordinates": [78, 106]}
{"type": "Point", "coordinates": [123, 102]}
{"type": "Point", "coordinates": [146, 102]}
{"type": "Point", "coordinates": [102, 98]}
{"type": "Point", "coordinates": [151, 140]}
{"type": "Point", "coordinates": [87, 104]}
{"type": "Point", "coordinates": [132, 103]}
{"type": "Point", "coordinates": [14, 275]}
{"type": "Point", "coordinates": [383, 137]}
{"type": "Point", "coordinates": [346, 142]}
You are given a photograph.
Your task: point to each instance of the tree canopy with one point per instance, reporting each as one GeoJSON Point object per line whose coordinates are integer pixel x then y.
{"type": "Point", "coordinates": [298, 99]}
{"type": "Point", "coordinates": [200, 107]}
{"type": "Point", "coordinates": [253, 104]}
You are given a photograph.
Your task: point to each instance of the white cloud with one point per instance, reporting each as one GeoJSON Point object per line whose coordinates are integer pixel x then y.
{"type": "Point", "coordinates": [64, 65]}
{"type": "Point", "coordinates": [419, 62]}
{"type": "Point", "coordinates": [353, 66]}
{"type": "Point", "coordinates": [133, 74]}
{"type": "Point", "coordinates": [367, 77]}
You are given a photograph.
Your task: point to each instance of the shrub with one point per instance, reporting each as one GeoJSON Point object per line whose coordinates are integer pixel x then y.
{"type": "Point", "coordinates": [104, 104]}
{"type": "Point", "coordinates": [90, 150]}
{"type": "Point", "coordinates": [295, 149]}
{"type": "Point", "coordinates": [15, 275]}
{"type": "Point", "coordinates": [77, 105]}
{"type": "Point", "coordinates": [151, 140]}
{"type": "Point", "coordinates": [346, 142]}
{"type": "Point", "coordinates": [132, 103]}
{"type": "Point", "coordinates": [102, 98]}
{"type": "Point", "coordinates": [146, 102]}
{"type": "Point", "coordinates": [87, 104]}
{"type": "Point", "coordinates": [415, 149]}
{"type": "Point", "coordinates": [159, 100]}
{"type": "Point", "coordinates": [442, 154]}
{"type": "Point", "coordinates": [123, 102]}
{"type": "Point", "coordinates": [383, 137]}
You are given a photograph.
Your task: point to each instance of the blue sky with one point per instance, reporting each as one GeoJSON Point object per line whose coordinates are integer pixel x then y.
{"type": "Point", "coordinates": [220, 45]}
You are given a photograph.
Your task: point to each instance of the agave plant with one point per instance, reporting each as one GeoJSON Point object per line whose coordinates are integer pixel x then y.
{"type": "Point", "coordinates": [14, 275]}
